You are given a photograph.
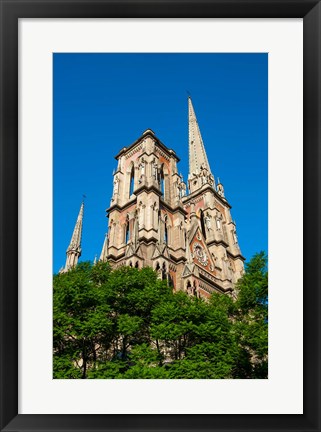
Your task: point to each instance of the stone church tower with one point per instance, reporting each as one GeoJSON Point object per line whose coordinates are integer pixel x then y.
{"type": "Point", "coordinates": [188, 237]}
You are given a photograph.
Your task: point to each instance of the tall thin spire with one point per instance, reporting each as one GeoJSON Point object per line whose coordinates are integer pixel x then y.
{"type": "Point", "coordinates": [74, 249]}
{"type": "Point", "coordinates": [199, 168]}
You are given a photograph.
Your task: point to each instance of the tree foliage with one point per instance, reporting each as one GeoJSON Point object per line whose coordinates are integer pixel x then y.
{"type": "Point", "coordinates": [128, 324]}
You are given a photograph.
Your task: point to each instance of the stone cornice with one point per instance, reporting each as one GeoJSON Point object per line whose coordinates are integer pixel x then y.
{"type": "Point", "coordinates": [212, 280]}
{"type": "Point", "coordinates": [121, 207]}
{"type": "Point", "coordinates": [114, 257]}
{"type": "Point", "coordinates": [210, 289]}
{"type": "Point", "coordinates": [146, 188]}
{"type": "Point", "coordinates": [133, 151]}
{"type": "Point", "coordinates": [175, 209]}
{"type": "Point", "coordinates": [201, 191]}
{"type": "Point", "coordinates": [178, 260]}
{"type": "Point", "coordinates": [147, 240]}
{"type": "Point", "coordinates": [238, 255]}
{"type": "Point", "coordinates": [218, 242]}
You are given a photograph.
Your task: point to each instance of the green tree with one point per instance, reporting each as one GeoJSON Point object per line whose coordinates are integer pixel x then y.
{"type": "Point", "coordinates": [81, 318]}
{"type": "Point", "coordinates": [100, 315]}
{"type": "Point", "coordinates": [251, 319]}
{"type": "Point", "coordinates": [126, 323]}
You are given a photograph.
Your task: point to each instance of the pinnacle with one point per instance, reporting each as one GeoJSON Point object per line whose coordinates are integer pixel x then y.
{"type": "Point", "coordinates": [74, 248]}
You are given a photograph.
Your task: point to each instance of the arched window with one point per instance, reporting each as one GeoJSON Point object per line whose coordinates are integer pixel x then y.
{"type": "Point", "coordinates": [162, 182]}
{"type": "Point", "coordinates": [127, 232]}
{"type": "Point", "coordinates": [130, 264]}
{"type": "Point", "coordinates": [164, 272]}
{"type": "Point", "coordinates": [136, 227]}
{"type": "Point", "coordinates": [136, 265]}
{"type": "Point", "coordinates": [194, 291]}
{"type": "Point", "coordinates": [165, 230]}
{"type": "Point", "coordinates": [188, 287]}
{"type": "Point", "coordinates": [203, 224]}
{"type": "Point", "coordinates": [131, 184]}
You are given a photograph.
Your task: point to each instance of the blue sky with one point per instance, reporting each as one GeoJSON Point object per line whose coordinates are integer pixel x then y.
{"type": "Point", "coordinates": [103, 102]}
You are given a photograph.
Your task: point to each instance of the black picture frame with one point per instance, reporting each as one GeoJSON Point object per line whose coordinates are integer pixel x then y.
{"type": "Point", "coordinates": [11, 11]}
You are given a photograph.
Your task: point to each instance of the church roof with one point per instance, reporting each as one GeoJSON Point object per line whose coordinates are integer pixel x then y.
{"type": "Point", "coordinates": [150, 133]}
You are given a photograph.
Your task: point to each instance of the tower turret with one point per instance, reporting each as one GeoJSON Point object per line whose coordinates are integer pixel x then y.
{"type": "Point", "coordinates": [74, 249]}
{"type": "Point", "coordinates": [146, 216]}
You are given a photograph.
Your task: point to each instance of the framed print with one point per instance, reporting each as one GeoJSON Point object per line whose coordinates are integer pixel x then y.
{"type": "Point", "coordinates": [133, 64]}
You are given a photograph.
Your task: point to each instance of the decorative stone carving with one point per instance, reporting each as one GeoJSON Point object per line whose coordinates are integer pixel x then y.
{"type": "Point", "coordinates": [211, 179]}
{"type": "Point", "coordinates": [234, 237]}
{"type": "Point", "coordinates": [155, 170]}
{"type": "Point", "coordinates": [183, 189]}
{"type": "Point", "coordinates": [204, 174]}
{"type": "Point", "coordinates": [141, 167]}
{"type": "Point", "coordinates": [220, 190]}
{"type": "Point", "coordinates": [208, 221]}
{"type": "Point", "coordinates": [116, 185]}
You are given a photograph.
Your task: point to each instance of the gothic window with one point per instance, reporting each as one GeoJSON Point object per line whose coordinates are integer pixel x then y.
{"type": "Point", "coordinates": [188, 286]}
{"type": "Point", "coordinates": [110, 231]}
{"type": "Point", "coordinates": [164, 272]}
{"type": "Point", "coordinates": [127, 232]}
{"type": "Point", "coordinates": [136, 226]}
{"type": "Point", "coordinates": [157, 267]}
{"type": "Point", "coordinates": [136, 265]}
{"type": "Point", "coordinates": [154, 210]}
{"type": "Point", "coordinates": [165, 230]}
{"type": "Point", "coordinates": [218, 223]}
{"type": "Point", "coordinates": [131, 181]}
{"type": "Point", "coordinates": [194, 290]}
{"type": "Point", "coordinates": [130, 264]}
{"type": "Point", "coordinates": [203, 224]}
{"type": "Point", "coordinates": [162, 182]}
{"type": "Point", "coordinates": [165, 234]}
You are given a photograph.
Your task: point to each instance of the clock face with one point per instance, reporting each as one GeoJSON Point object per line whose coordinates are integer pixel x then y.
{"type": "Point", "coordinates": [200, 254]}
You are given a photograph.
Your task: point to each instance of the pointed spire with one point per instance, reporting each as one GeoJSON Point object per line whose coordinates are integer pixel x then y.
{"type": "Point", "coordinates": [199, 168]}
{"type": "Point", "coordinates": [74, 249]}
{"type": "Point", "coordinates": [76, 235]}
{"type": "Point", "coordinates": [104, 250]}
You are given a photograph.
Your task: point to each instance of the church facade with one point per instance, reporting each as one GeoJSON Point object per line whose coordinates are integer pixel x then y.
{"type": "Point", "coordinates": [185, 232]}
